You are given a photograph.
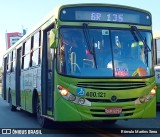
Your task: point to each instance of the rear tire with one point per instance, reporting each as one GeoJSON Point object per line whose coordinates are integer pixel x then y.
{"type": "Point", "coordinates": [43, 122]}
{"type": "Point", "coordinates": [12, 107]}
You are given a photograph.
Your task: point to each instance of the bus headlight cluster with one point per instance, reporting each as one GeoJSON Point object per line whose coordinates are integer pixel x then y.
{"type": "Point", "coordinates": [81, 101]}
{"type": "Point", "coordinates": [146, 98]}
{"type": "Point", "coordinates": [73, 98]}
{"type": "Point", "coordinates": [142, 99]}
{"type": "Point", "coordinates": [63, 91]}
{"type": "Point", "coordinates": [153, 91]}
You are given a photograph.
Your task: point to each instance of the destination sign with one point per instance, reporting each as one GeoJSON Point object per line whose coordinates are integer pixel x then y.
{"type": "Point", "coordinates": [105, 14]}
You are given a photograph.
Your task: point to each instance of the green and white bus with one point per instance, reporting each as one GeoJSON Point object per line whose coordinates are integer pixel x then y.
{"type": "Point", "coordinates": [157, 64]}
{"type": "Point", "coordinates": [84, 62]}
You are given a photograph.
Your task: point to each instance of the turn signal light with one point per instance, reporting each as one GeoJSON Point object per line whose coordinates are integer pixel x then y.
{"type": "Point", "coordinates": [153, 92]}
{"type": "Point", "coordinates": [63, 91]}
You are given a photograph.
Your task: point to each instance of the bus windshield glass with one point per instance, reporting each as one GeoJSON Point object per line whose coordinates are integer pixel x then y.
{"type": "Point", "coordinates": [104, 14]}
{"type": "Point", "coordinates": [103, 52]}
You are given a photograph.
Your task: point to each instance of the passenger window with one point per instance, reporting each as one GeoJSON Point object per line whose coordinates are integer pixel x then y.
{"type": "Point", "coordinates": [27, 46]}
{"type": "Point", "coordinates": [49, 52]}
{"type": "Point", "coordinates": [26, 61]}
{"type": "Point", "coordinates": [35, 58]}
{"type": "Point", "coordinates": [14, 60]}
{"type": "Point", "coordinates": [9, 62]}
{"type": "Point", "coordinates": [23, 55]}
{"type": "Point", "coordinates": [35, 55]}
{"type": "Point", "coordinates": [26, 55]}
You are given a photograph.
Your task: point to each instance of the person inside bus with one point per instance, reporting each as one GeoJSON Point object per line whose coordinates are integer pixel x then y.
{"type": "Point", "coordinates": [65, 39]}
{"type": "Point", "coordinates": [73, 42]}
{"type": "Point", "coordinates": [78, 47]}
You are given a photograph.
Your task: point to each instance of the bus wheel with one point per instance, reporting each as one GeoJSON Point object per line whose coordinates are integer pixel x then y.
{"type": "Point", "coordinates": [12, 107]}
{"type": "Point", "coordinates": [41, 120]}
{"type": "Point", "coordinates": [109, 122]}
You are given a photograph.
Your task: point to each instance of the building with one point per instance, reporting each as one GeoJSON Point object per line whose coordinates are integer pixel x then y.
{"type": "Point", "coordinates": [13, 37]}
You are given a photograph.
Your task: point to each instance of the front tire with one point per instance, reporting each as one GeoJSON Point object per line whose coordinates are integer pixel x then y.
{"type": "Point", "coordinates": [12, 107]}
{"type": "Point", "coordinates": [43, 122]}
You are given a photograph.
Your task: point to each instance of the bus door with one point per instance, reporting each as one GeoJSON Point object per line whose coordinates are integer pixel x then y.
{"type": "Point", "coordinates": [18, 75]}
{"type": "Point", "coordinates": [4, 79]}
{"type": "Point", "coordinates": [47, 75]}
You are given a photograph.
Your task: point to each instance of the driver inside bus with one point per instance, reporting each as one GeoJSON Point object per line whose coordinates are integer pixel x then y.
{"type": "Point", "coordinates": [73, 42]}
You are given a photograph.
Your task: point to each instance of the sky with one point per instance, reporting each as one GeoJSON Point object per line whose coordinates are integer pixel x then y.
{"type": "Point", "coordinates": [16, 15]}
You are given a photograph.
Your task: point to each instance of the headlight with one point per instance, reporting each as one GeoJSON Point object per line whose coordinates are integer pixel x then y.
{"type": "Point", "coordinates": [72, 98]}
{"type": "Point", "coordinates": [142, 99]}
{"type": "Point", "coordinates": [153, 91]}
{"type": "Point", "coordinates": [81, 101]}
{"type": "Point", "coordinates": [146, 98]}
{"type": "Point", "coordinates": [63, 91]}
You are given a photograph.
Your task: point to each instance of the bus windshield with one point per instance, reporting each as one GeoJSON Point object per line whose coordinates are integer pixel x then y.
{"type": "Point", "coordinates": [103, 52]}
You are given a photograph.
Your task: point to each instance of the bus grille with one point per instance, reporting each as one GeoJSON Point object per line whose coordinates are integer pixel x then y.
{"type": "Point", "coordinates": [109, 101]}
{"type": "Point", "coordinates": [111, 85]}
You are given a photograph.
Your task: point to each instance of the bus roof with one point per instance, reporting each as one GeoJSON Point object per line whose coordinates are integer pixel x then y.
{"type": "Point", "coordinates": [104, 4]}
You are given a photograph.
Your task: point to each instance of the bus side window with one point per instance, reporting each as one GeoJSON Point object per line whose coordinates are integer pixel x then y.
{"type": "Point", "coordinates": [49, 52]}
{"type": "Point", "coordinates": [23, 55]}
{"type": "Point", "coordinates": [27, 54]}
{"type": "Point", "coordinates": [35, 52]}
{"type": "Point", "coordinates": [13, 61]}
{"type": "Point", "coordinates": [9, 62]}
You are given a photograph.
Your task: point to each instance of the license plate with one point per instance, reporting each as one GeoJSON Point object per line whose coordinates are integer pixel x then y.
{"type": "Point", "coordinates": [116, 110]}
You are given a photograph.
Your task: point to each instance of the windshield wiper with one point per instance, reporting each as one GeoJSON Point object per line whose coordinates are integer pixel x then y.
{"type": "Point", "coordinates": [89, 44]}
{"type": "Point", "coordinates": [146, 47]}
{"type": "Point", "coordinates": [134, 28]}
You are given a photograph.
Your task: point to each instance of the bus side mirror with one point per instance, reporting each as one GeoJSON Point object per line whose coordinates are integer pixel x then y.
{"type": "Point", "coordinates": [53, 39]}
